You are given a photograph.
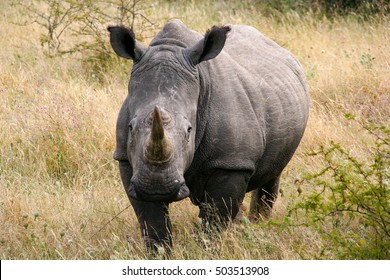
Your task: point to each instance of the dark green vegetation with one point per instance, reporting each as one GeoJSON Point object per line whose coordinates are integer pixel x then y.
{"type": "Point", "coordinates": [350, 200]}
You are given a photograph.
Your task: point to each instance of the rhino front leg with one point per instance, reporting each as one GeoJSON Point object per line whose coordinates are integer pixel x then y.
{"type": "Point", "coordinates": [155, 224]}
{"type": "Point", "coordinates": [224, 193]}
{"type": "Point", "coordinates": [263, 199]}
{"type": "Point", "coordinates": [153, 217]}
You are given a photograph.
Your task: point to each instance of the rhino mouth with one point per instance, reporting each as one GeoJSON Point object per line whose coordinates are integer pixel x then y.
{"type": "Point", "coordinates": [180, 192]}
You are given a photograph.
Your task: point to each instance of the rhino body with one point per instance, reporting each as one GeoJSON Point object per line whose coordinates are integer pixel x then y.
{"type": "Point", "coordinates": [210, 117]}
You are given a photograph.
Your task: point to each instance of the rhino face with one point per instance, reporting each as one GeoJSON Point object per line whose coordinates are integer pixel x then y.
{"type": "Point", "coordinates": [161, 138]}
{"type": "Point", "coordinates": [163, 96]}
{"type": "Point", "coordinates": [160, 149]}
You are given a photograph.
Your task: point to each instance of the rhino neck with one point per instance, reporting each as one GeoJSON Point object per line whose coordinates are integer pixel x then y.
{"type": "Point", "coordinates": [203, 104]}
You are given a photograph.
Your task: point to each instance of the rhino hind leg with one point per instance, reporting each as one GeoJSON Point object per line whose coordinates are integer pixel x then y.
{"type": "Point", "coordinates": [262, 201]}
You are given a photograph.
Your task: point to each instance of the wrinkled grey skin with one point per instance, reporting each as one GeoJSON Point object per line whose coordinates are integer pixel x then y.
{"type": "Point", "coordinates": [233, 111]}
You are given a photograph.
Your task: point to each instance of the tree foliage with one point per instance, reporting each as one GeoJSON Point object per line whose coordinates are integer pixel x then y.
{"type": "Point", "coordinates": [86, 20]}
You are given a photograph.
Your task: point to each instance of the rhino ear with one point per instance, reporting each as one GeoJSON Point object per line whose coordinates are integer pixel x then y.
{"type": "Point", "coordinates": [124, 44]}
{"type": "Point", "coordinates": [210, 46]}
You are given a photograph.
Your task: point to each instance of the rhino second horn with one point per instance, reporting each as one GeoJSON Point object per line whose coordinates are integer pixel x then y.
{"type": "Point", "coordinates": [159, 147]}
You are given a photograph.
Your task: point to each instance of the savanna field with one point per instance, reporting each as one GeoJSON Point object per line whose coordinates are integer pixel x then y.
{"type": "Point", "coordinates": [60, 192]}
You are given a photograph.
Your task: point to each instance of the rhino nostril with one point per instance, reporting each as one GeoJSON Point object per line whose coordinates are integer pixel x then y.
{"type": "Point", "coordinates": [161, 191]}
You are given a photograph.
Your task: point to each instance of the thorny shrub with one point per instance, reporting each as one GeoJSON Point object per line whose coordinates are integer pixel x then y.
{"type": "Point", "coordinates": [70, 26]}
{"type": "Point", "coordinates": [349, 205]}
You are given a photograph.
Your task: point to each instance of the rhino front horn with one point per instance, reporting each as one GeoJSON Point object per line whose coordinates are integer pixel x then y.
{"type": "Point", "coordinates": [159, 147]}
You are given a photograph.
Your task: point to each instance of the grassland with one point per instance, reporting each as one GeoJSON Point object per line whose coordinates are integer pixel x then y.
{"type": "Point", "coordinates": [60, 192]}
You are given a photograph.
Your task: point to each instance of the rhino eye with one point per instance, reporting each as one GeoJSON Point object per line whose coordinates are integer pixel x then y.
{"type": "Point", "coordinates": [130, 127]}
{"type": "Point", "coordinates": [189, 129]}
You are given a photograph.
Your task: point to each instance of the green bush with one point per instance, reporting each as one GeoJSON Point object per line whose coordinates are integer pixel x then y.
{"type": "Point", "coordinates": [349, 205]}
{"type": "Point", "coordinates": [364, 9]}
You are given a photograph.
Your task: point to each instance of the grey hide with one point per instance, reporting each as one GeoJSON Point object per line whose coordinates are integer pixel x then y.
{"type": "Point", "coordinates": [248, 105]}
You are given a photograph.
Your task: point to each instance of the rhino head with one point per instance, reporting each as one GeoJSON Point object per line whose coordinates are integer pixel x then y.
{"type": "Point", "coordinates": [162, 105]}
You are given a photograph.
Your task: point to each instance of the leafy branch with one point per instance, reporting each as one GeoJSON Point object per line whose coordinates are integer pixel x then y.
{"type": "Point", "coordinates": [350, 201]}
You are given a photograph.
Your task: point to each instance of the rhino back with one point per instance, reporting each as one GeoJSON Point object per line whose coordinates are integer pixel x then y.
{"type": "Point", "coordinates": [175, 32]}
{"type": "Point", "coordinates": [258, 107]}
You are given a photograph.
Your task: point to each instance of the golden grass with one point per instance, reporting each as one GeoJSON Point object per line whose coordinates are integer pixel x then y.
{"type": "Point", "coordinates": [60, 191]}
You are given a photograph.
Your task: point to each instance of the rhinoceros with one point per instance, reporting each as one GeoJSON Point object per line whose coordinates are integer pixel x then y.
{"type": "Point", "coordinates": [206, 117]}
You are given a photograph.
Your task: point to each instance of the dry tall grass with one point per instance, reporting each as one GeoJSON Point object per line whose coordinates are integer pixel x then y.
{"type": "Point", "coordinates": [60, 191]}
